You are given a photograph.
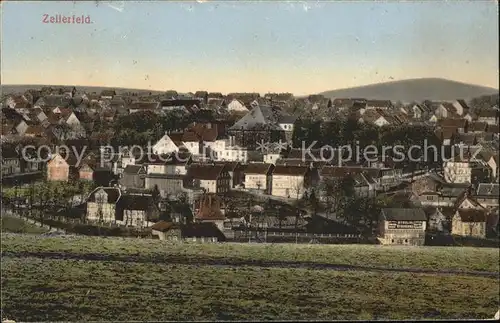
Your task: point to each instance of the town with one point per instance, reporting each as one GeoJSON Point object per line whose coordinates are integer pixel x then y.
{"type": "Point", "coordinates": [246, 167]}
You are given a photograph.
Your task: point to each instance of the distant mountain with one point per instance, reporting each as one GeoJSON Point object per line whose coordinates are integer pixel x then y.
{"type": "Point", "coordinates": [435, 89]}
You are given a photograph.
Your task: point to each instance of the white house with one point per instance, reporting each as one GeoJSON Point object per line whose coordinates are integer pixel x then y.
{"type": "Point", "coordinates": [460, 107]}
{"type": "Point", "coordinates": [398, 226]}
{"type": "Point", "coordinates": [258, 176]}
{"type": "Point", "coordinates": [291, 181]}
{"type": "Point", "coordinates": [211, 178]}
{"type": "Point", "coordinates": [457, 171]}
{"type": "Point", "coordinates": [167, 145]}
{"type": "Point", "coordinates": [101, 204]}
{"type": "Point", "coordinates": [236, 105]}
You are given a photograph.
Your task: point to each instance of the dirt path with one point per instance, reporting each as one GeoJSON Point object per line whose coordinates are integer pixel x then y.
{"type": "Point", "coordinates": [234, 262]}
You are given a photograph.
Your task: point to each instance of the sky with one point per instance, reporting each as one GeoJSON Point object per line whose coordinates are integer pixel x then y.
{"type": "Point", "coordinates": [228, 46]}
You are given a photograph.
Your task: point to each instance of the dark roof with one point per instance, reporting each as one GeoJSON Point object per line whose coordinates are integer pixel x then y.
{"type": "Point", "coordinates": [229, 166]}
{"type": "Point", "coordinates": [471, 215]}
{"type": "Point", "coordinates": [400, 214]}
{"type": "Point", "coordinates": [132, 169]}
{"type": "Point", "coordinates": [379, 103]}
{"type": "Point", "coordinates": [163, 226]}
{"type": "Point", "coordinates": [166, 176]}
{"type": "Point", "coordinates": [136, 202]}
{"type": "Point", "coordinates": [144, 106]}
{"type": "Point", "coordinates": [257, 168]}
{"type": "Point", "coordinates": [263, 116]}
{"type": "Point", "coordinates": [488, 113]}
{"type": "Point", "coordinates": [56, 100]}
{"type": "Point", "coordinates": [180, 102]}
{"type": "Point", "coordinates": [112, 192]}
{"type": "Point", "coordinates": [9, 152]}
{"type": "Point", "coordinates": [204, 229]}
{"type": "Point", "coordinates": [488, 189]}
{"type": "Point", "coordinates": [108, 93]}
{"type": "Point", "coordinates": [290, 170]}
{"type": "Point", "coordinates": [204, 171]}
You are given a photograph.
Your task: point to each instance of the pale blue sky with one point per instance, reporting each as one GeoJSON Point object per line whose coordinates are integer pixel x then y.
{"type": "Point", "coordinates": [299, 47]}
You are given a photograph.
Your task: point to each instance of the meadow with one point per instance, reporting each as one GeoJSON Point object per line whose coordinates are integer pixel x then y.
{"type": "Point", "coordinates": [91, 278]}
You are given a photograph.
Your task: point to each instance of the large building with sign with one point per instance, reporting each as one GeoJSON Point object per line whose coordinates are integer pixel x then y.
{"type": "Point", "coordinates": [399, 226]}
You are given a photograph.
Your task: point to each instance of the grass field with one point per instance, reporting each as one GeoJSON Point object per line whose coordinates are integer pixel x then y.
{"type": "Point", "coordinates": [16, 225]}
{"type": "Point", "coordinates": [90, 278]}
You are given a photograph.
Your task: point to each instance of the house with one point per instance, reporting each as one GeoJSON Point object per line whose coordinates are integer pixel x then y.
{"type": "Point", "coordinates": [236, 106]}
{"type": "Point", "coordinates": [258, 176]}
{"type": "Point", "coordinates": [437, 220]}
{"type": "Point", "coordinates": [465, 167]}
{"type": "Point", "coordinates": [133, 176]}
{"type": "Point", "coordinates": [167, 184]}
{"type": "Point", "coordinates": [11, 161]}
{"type": "Point", "coordinates": [101, 204]}
{"type": "Point", "coordinates": [137, 210]}
{"type": "Point", "coordinates": [178, 211]}
{"type": "Point", "coordinates": [378, 104]}
{"type": "Point", "coordinates": [469, 222]}
{"type": "Point", "coordinates": [446, 110]}
{"type": "Point", "coordinates": [210, 177]}
{"type": "Point", "coordinates": [491, 159]}
{"type": "Point", "coordinates": [487, 195]}
{"type": "Point", "coordinates": [374, 117]}
{"type": "Point", "coordinates": [364, 184]}
{"type": "Point", "coordinates": [460, 125]}
{"type": "Point", "coordinates": [402, 226]}
{"type": "Point", "coordinates": [477, 127]}
{"type": "Point", "coordinates": [108, 94]}
{"type": "Point", "coordinates": [166, 230]}
{"type": "Point", "coordinates": [235, 170]}
{"type": "Point", "coordinates": [143, 106]}
{"type": "Point", "coordinates": [421, 111]}
{"type": "Point", "coordinates": [184, 105]}
{"type": "Point", "coordinates": [170, 142]}
{"type": "Point", "coordinates": [61, 168]}
{"type": "Point", "coordinates": [292, 181]}
{"type": "Point", "coordinates": [209, 209]}
{"type": "Point", "coordinates": [173, 164]}
{"type": "Point", "coordinates": [53, 101]}
{"type": "Point", "coordinates": [262, 124]}
{"type": "Point", "coordinates": [21, 127]}
{"type": "Point", "coordinates": [461, 107]}
{"type": "Point", "coordinates": [202, 232]}
{"type": "Point", "coordinates": [489, 116]}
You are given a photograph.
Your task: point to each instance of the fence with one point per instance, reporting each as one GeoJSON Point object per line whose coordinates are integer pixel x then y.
{"type": "Point", "coordinates": [299, 234]}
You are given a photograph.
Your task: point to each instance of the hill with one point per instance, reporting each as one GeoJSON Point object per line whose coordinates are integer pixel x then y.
{"type": "Point", "coordinates": [21, 88]}
{"type": "Point", "coordinates": [435, 89]}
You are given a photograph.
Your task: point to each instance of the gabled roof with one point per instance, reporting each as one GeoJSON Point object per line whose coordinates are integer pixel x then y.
{"type": "Point", "coordinates": [488, 189]}
{"type": "Point", "coordinates": [285, 170]}
{"type": "Point", "coordinates": [488, 113]}
{"type": "Point", "coordinates": [143, 106]}
{"type": "Point", "coordinates": [257, 168]}
{"type": "Point", "coordinates": [163, 226]}
{"type": "Point", "coordinates": [56, 100]}
{"type": "Point", "coordinates": [402, 214]}
{"type": "Point", "coordinates": [379, 103]}
{"type": "Point", "coordinates": [136, 202]}
{"type": "Point", "coordinates": [132, 169]}
{"type": "Point", "coordinates": [112, 192]}
{"type": "Point", "coordinates": [199, 230]}
{"type": "Point", "coordinates": [204, 171]}
{"type": "Point", "coordinates": [263, 116]}
{"type": "Point", "coordinates": [471, 215]}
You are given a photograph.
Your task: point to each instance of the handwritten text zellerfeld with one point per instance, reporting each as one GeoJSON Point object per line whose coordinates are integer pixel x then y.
{"type": "Point", "coordinates": [62, 19]}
